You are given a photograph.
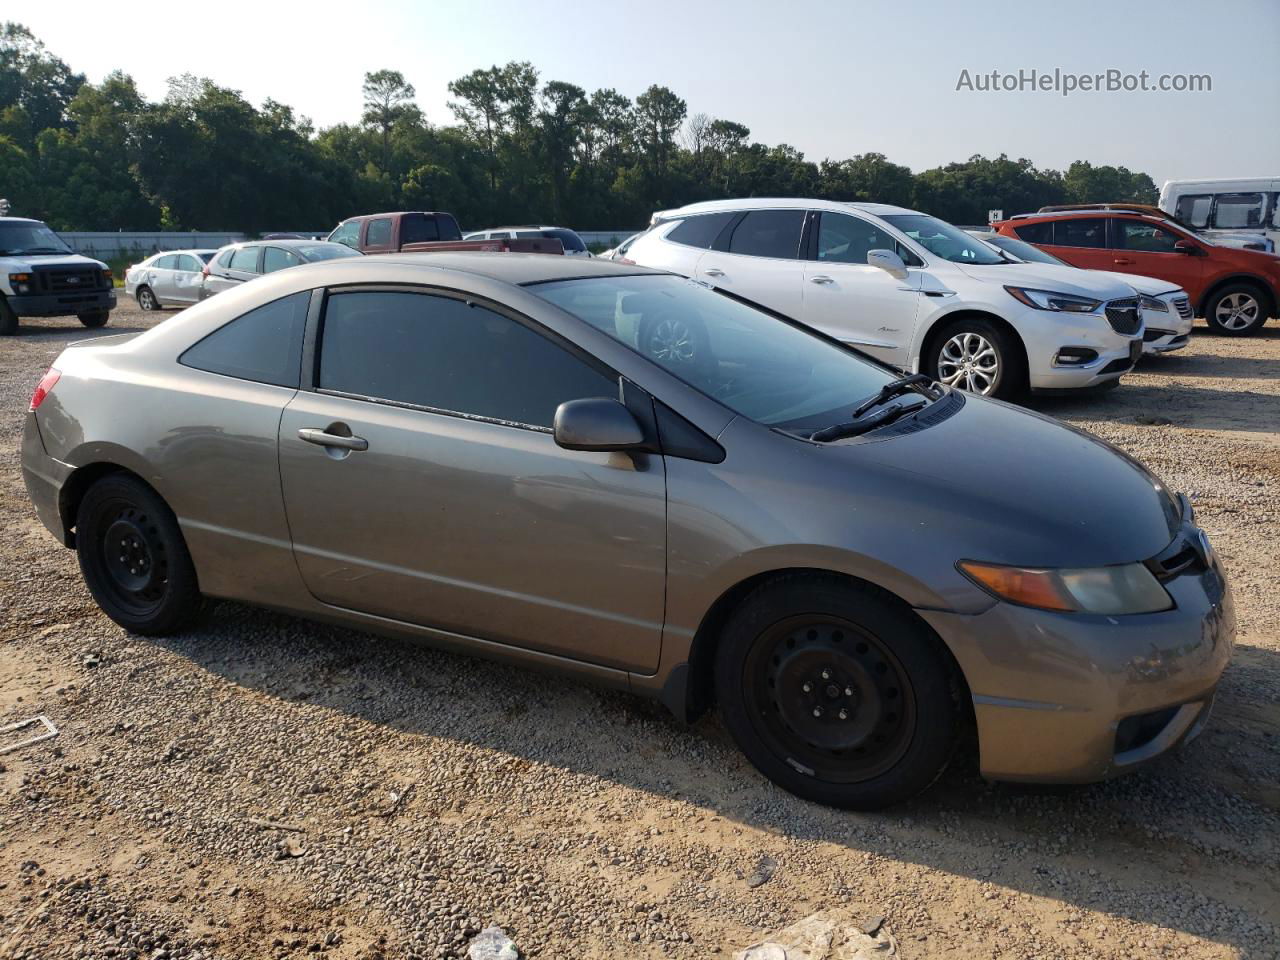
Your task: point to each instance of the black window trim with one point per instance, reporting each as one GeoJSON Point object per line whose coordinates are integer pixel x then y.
{"type": "Point", "coordinates": [726, 235]}
{"type": "Point", "coordinates": [313, 337]}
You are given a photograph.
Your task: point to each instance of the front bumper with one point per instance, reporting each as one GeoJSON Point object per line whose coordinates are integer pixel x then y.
{"type": "Point", "coordinates": [62, 304]}
{"type": "Point", "coordinates": [1045, 334]}
{"type": "Point", "coordinates": [1163, 341]}
{"type": "Point", "coordinates": [1070, 698]}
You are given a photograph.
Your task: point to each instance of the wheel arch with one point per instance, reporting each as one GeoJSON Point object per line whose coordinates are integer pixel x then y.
{"type": "Point", "coordinates": [78, 484]}
{"type": "Point", "coordinates": [1253, 280]}
{"type": "Point", "coordinates": [690, 689]}
{"type": "Point", "coordinates": [940, 324]}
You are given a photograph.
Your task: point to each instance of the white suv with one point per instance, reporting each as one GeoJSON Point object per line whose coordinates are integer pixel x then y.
{"type": "Point", "coordinates": [907, 288]}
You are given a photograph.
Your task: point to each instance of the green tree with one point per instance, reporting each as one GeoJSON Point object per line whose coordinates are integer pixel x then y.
{"type": "Point", "coordinates": [388, 100]}
{"type": "Point", "coordinates": [34, 80]}
{"type": "Point", "coordinates": [1085, 183]}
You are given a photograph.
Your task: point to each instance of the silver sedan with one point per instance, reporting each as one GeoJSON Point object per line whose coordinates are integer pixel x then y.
{"type": "Point", "coordinates": [166, 279]}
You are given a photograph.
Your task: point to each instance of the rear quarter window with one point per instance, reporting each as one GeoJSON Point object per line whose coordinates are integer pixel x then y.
{"type": "Point", "coordinates": [700, 231]}
{"type": "Point", "coordinates": [263, 345]}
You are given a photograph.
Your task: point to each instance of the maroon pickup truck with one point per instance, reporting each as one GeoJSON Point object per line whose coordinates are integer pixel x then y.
{"type": "Point", "coordinates": [425, 232]}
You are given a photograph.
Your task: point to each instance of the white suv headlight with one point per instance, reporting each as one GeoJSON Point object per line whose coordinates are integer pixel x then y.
{"type": "Point", "coordinates": [1049, 300]}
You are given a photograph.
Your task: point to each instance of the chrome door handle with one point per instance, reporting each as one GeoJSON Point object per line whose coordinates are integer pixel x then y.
{"type": "Point", "coordinates": [821, 279]}
{"type": "Point", "coordinates": [714, 272]}
{"type": "Point", "coordinates": [323, 438]}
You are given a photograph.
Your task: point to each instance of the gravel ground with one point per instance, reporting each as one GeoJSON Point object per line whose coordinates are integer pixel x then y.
{"type": "Point", "coordinates": [265, 787]}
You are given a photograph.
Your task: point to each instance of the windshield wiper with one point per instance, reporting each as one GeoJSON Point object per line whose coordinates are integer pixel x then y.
{"type": "Point", "coordinates": [857, 427]}
{"type": "Point", "coordinates": [894, 388]}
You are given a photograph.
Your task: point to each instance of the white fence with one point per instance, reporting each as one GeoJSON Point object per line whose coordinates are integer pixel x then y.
{"type": "Point", "coordinates": [106, 245]}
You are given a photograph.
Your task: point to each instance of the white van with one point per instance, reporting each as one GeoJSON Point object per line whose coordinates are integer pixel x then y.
{"type": "Point", "coordinates": [1227, 208]}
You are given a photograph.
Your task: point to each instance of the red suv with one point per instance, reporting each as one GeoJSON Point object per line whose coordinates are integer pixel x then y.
{"type": "Point", "coordinates": [1234, 290]}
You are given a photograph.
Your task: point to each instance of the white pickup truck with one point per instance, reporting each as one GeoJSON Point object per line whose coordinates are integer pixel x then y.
{"type": "Point", "coordinates": [40, 276]}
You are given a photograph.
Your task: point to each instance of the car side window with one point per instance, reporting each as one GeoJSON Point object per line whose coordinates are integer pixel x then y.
{"type": "Point", "coordinates": [1143, 237]}
{"type": "Point", "coordinates": [1080, 232]}
{"type": "Point", "coordinates": [1234, 210]}
{"type": "Point", "coordinates": [444, 354]}
{"type": "Point", "coordinates": [1194, 209]}
{"type": "Point", "coordinates": [168, 262]}
{"type": "Point", "coordinates": [263, 345]}
{"type": "Point", "coordinates": [768, 233]}
{"type": "Point", "coordinates": [1035, 232]}
{"type": "Point", "coordinates": [224, 258]}
{"type": "Point", "coordinates": [379, 233]}
{"type": "Point", "coordinates": [416, 230]}
{"type": "Point", "coordinates": [348, 233]}
{"type": "Point", "coordinates": [276, 258]}
{"type": "Point", "coordinates": [845, 239]}
{"type": "Point", "coordinates": [188, 263]}
{"type": "Point", "coordinates": [246, 259]}
{"type": "Point", "coordinates": [700, 231]}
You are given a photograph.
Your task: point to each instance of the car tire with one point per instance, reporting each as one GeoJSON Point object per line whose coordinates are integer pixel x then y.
{"type": "Point", "coordinates": [837, 693]}
{"type": "Point", "coordinates": [1237, 310]}
{"type": "Point", "coordinates": [146, 298]}
{"type": "Point", "coordinates": [978, 352]}
{"type": "Point", "coordinates": [134, 559]}
{"type": "Point", "coordinates": [98, 318]}
{"type": "Point", "coordinates": [8, 319]}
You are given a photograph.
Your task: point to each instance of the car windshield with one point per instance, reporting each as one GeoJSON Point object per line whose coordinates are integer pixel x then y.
{"type": "Point", "coordinates": [1023, 250]}
{"type": "Point", "coordinates": [757, 365]}
{"type": "Point", "coordinates": [21, 236]}
{"type": "Point", "coordinates": [944, 240]}
{"type": "Point", "coordinates": [326, 251]}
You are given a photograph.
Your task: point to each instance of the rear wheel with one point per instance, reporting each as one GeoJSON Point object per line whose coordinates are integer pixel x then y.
{"type": "Point", "coordinates": [147, 299]}
{"type": "Point", "coordinates": [978, 356]}
{"type": "Point", "coordinates": [836, 693]}
{"type": "Point", "coordinates": [133, 557]}
{"type": "Point", "coordinates": [98, 318]}
{"type": "Point", "coordinates": [8, 319]}
{"type": "Point", "coordinates": [1237, 310]}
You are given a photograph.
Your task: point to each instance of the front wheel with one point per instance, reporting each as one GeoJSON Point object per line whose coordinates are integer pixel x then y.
{"type": "Point", "coordinates": [1238, 310]}
{"type": "Point", "coordinates": [134, 559]}
{"type": "Point", "coordinates": [147, 299]}
{"type": "Point", "coordinates": [8, 320]}
{"type": "Point", "coordinates": [98, 318]}
{"type": "Point", "coordinates": [977, 356]}
{"type": "Point", "coordinates": [837, 694]}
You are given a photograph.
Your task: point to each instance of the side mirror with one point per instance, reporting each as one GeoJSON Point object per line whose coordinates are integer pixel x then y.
{"type": "Point", "coordinates": [889, 262]}
{"type": "Point", "coordinates": [1187, 247]}
{"type": "Point", "coordinates": [597, 423]}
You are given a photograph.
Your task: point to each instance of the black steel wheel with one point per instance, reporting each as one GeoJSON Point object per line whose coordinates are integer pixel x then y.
{"type": "Point", "coordinates": [837, 692]}
{"type": "Point", "coordinates": [133, 557]}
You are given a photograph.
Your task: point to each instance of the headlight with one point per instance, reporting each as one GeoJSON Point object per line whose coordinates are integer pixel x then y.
{"type": "Point", "coordinates": [1130, 588]}
{"type": "Point", "coordinates": [1151, 303]}
{"type": "Point", "coordinates": [1048, 300]}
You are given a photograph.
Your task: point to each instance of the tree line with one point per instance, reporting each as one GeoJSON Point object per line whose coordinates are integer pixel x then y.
{"type": "Point", "coordinates": [515, 149]}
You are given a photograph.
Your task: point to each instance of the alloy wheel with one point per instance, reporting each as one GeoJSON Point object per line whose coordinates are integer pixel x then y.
{"type": "Point", "coordinates": [146, 299]}
{"type": "Point", "coordinates": [969, 361]}
{"type": "Point", "coordinates": [831, 698]}
{"type": "Point", "coordinates": [1237, 311]}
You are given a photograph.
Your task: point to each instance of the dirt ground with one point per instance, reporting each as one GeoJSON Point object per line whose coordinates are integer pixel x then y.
{"type": "Point", "coordinates": [265, 787]}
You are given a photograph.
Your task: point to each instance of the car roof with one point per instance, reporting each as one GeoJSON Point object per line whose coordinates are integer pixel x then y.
{"type": "Point", "coordinates": [399, 213]}
{"type": "Point", "coordinates": [286, 243]}
{"type": "Point", "coordinates": [781, 203]}
{"type": "Point", "coordinates": [19, 220]}
{"type": "Point", "coordinates": [524, 226]}
{"type": "Point", "coordinates": [161, 253]}
{"type": "Point", "coordinates": [513, 268]}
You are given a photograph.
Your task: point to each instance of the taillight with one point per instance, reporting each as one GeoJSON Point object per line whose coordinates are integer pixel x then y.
{"type": "Point", "coordinates": [43, 387]}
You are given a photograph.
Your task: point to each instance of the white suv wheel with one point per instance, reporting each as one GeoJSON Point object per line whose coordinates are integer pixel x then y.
{"type": "Point", "coordinates": [969, 361]}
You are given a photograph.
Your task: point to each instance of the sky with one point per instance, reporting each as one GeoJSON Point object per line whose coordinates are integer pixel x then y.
{"type": "Point", "coordinates": [832, 79]}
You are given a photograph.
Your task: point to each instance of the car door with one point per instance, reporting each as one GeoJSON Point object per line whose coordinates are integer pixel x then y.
{"type": "Point", "coordinates": [160, 277]}
{"type": "Point", "coordinates": [451, 506]}
{"type": "Point", "coordinates": [1080, 241]}
{"type": "Point", "coordinates": [229, 272]}
{"type": "Point", "coordinates": [854, 302]}
{"type": "Point", "coordinates": [759, 259]}
{"type": "Point", "coordinates": [1147, 249]}
{"type": "Point", "coordinates": [186, 278]}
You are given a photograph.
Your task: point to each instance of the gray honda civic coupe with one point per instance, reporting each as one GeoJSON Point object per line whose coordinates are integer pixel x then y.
{"type": "Point", "coordinates": [625, 476]}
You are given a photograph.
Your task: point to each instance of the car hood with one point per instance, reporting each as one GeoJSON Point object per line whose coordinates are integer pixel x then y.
{"type": "Point", "coordinates": [1050, 276]}
{"type": "Point", "coordinates": [35, 260]}
{"type": "Point", "coordinates": [1151, 286]}
{"type": "Point", "coordinates": [1007, 485]}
